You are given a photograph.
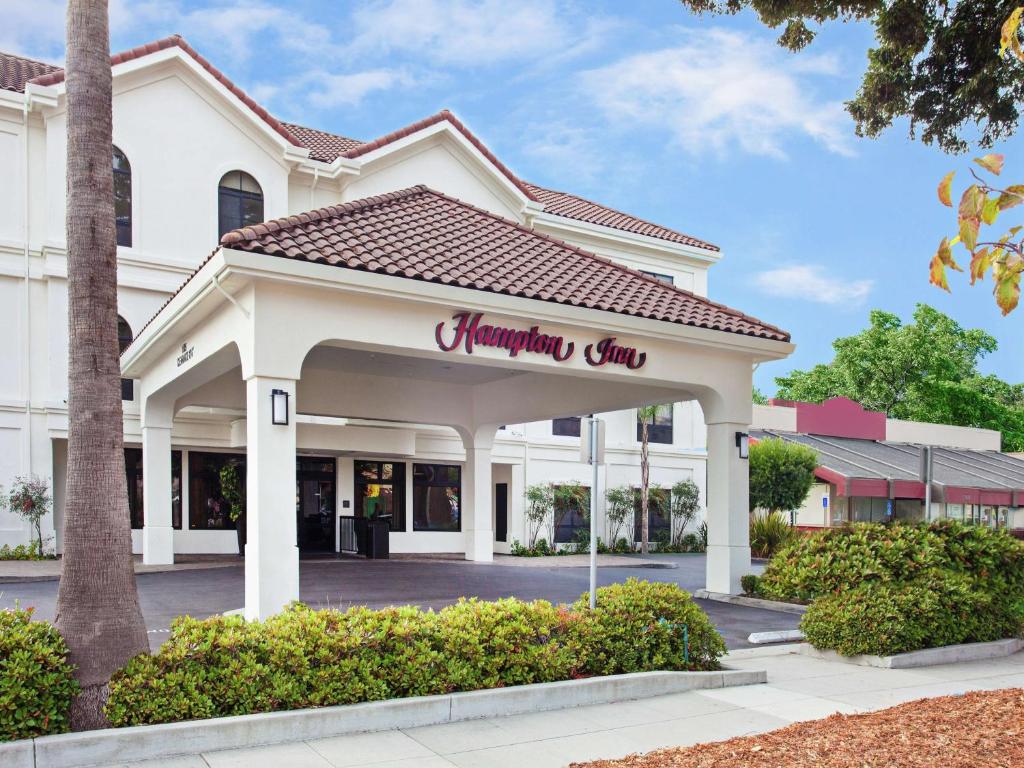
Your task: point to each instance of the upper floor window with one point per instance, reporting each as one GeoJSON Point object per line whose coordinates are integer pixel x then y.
{"type": "Point", "coordinates": [657, 276]}
{"type": "Point", "coordinates": [568, 427]}
{"type": "Point", "coordinates": [124, 338]}
{"type": "Point", "coordinates": [659, 428]}
{"type": "Point", "coordinates": [239, 201]}
{"type": "Point", "coordinates": [122, 198]}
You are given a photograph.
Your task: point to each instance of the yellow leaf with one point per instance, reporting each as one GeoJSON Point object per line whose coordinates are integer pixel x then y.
{"type": "Point", "coordinates": [1007, 291]}
{"type": "Point", "coordinates": [969, 232]}
{"type": "Point", "coordinates": [971, 202]}
{"type": "Point", "coordinates": [990, 210]}
{"type": "Point", "coordinates": [980, 263]}
{"type": "Point", "coordinates": [991, 162]}
{"type": "Point", "coordinates": [1014, 195]}
{"type": "Point", "coordinates": [1008, 37]}
{"type": "Point", "coordinates": [944, 189]}
{"type": "Point", "coordinates": [937, 274]}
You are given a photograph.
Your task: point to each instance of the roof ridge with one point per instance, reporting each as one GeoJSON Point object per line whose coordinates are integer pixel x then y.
{"type": "Point", "coordinates": [605, 260]}
{"type": "Point", "coordinates": [256, 231]}
{"type": "Point", "coordinates": [30, 59]}
{"type": "Point", "coordinates": [437, 117]}
{"type": "Point", "coordinates": [176, 40]}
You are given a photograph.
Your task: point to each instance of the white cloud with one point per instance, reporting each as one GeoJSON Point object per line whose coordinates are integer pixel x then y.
{"type": "Point", "coordinates": [33, 29]}
{"type": "Point", "coordinates": [468, 32]}
{"type": "Point", "coordinates": [812, 282]}
{"type": "Point", "coordinates": [721, 89]}
{"type": "Point", "coordinates": [336, 90]}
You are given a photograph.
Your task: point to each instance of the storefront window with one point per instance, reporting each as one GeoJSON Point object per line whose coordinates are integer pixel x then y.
{"type": "Point", "coordinates": [572, 504]}
{"type": "Point", "coordinates": [133, 471]}
{"type": "Point", "coordinates": [436, 497]}
{"type": "Point", "coordinates": [908, 510]}
{"type": "Point", "coordinates": [658, 514]}
{"type": "Point", "coordinates": [380, 490]}
{"type": "Point", "coordinates": [955, 511]}
{"type": "Point", "coordinates": [840, 510]}
{"type": "Point", "coordinates": [207, 509]}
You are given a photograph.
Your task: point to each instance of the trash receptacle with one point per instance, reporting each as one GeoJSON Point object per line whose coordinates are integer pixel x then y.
{"type": "Point", "coordinates": [378, 530]}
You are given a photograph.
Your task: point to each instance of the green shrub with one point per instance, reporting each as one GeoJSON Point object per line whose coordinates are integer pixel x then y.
{"type": "Point", "coordinates": [837, 559]}
{"type": "Point", "coordinates": [638, 626]}
{"type": "Point", "coordinates": [750, 584]}
{"type": "Point", "coordinates": [30, 551]}
{"type": "Point", "coordinates": [884, 618]}
{"type": "Point", "coordinates": [304, 658]}
{"type": "Point", "coordinates": [769, 532]}
{"type": "Point", "coordinates": [36, 681]}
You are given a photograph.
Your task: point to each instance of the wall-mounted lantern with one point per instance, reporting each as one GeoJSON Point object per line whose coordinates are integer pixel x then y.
{"type": "Point", "coordinates": [743, 444]}
{"type": "Point", "coordinates": [279, 407]}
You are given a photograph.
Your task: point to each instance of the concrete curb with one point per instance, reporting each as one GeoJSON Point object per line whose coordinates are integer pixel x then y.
{"type": "Point", "coordinates": [948, 654]}
{"type": "Point", "coordinates": [123, 745]}
{"type": "Point", "coordinates": [751, 602]}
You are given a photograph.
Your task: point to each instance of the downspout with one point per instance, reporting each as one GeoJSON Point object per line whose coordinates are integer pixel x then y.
{"type": "Point", "coordinates": [312, 189]}
{"type": "Point", "coordinates": [27, 340]}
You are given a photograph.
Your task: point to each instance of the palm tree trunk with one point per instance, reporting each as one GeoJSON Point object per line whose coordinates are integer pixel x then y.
{"type": "Point", "coordinates": [97, 602]}
{"type": "Point", "coordinates": [645, 477]}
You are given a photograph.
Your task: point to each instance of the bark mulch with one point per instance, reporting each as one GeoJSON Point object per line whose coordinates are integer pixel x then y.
{"type": "Point", "coordinates": [983, 729]}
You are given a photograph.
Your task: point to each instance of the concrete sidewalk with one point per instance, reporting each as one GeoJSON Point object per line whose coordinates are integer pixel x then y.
{"type": "Point", "coordinates": [799, 688]}
{"type": "Point", "coordinates": [13, 571]}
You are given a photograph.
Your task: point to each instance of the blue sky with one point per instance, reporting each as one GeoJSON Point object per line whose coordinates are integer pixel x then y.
{"type": "Point", "coordinates": [702, 124]}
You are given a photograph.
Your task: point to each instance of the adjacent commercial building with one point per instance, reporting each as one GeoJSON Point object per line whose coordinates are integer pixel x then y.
{"type": "Point", "coordinates": [874, 469]}
{"type": "Point", "coordinates": [415, 330]}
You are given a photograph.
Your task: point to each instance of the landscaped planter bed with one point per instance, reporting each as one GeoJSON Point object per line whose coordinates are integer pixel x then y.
{"type": "Point", "coordinates": [976, 730]}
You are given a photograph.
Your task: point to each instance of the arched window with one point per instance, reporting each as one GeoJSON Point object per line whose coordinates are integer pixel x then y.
{"type": "Point", "coordinates": [122, 198]}
{"type": "Point", "coordinates": [124, 338]}
{"type": "Point", "coordinates": [240, 202]}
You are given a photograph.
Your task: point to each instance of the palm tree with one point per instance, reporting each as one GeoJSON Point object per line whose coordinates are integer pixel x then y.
{"type": "Point", "coordinates": [646, 416]}
{"type": "Point", "coordinates": [97, 602]}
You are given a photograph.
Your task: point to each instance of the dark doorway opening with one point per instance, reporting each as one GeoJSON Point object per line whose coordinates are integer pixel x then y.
{"type": "Point", "coordinates": [315, 481]}
{"type": "Point", "coordinates": [501, 512]}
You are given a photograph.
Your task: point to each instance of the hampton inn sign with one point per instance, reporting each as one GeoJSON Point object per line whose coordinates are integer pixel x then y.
{"type": "Point", "coordinates": [469, 332]}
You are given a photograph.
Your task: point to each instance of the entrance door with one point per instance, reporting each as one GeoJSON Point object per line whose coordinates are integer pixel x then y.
{"type": "Point", "coordinates": [314, 503]}
{"type": "Point", "coordinates": [501, 511]}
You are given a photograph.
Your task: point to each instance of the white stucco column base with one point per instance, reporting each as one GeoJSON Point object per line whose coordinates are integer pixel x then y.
{"type": "Point", "coordinates": [728, 557]}
{"type": "Point", "coordinates": [478, 495]}
{"type": "Point", "coordinates": [271, 551]}
{"type": "Point", "coordinates": [157, 531]}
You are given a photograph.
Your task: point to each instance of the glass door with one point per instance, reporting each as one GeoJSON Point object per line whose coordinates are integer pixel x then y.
{"type": "Point", "coordinates": [314, 503]}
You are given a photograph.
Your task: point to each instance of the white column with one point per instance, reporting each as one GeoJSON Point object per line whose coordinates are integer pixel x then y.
{"type": "Point", "coordinates": [728, 555]}
{"type": "Point", "coordinates": [477, 495]}
{"type": "Point", "coordinates": [271, 551]}
{"type": "Point", "coordinates": [157, 531]}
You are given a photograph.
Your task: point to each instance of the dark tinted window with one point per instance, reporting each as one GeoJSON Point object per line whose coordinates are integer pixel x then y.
{"type": "Point", "coordinates": [122, 198]}
{"type": "Point", "coordinates": [124, 338]}
{"type": "Point", "coordinates": [572, 504]}
{"type": "Point", "coordinates": [240, 202]}
{"type": "Point", "coordinates": [660, 428]}
{"type": "Point", "coordinates": [207, 509]}
{"type": "Point", "coordinates": [658, 514]}
{"type": "Point", "coordinates": [436, 497]}
{"type": "Point", "coordinates": [380, 488]}
{"type": "Point", "coordinates": [569, 427]}
{"type": "Point", "coordinates": [133, 471]}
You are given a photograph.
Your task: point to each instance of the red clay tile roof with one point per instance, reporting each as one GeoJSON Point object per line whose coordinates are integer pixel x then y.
{"type": "Point", "coordinates": [578, 208]}
{"type": "Point", "coordinates": [421, 234]}
{"type": "Point", "coordinates": [15, 71]}
{"type": "Point", "coordinates": [56, 75]}
{"type": "Point", "coordinates": [323, 146]}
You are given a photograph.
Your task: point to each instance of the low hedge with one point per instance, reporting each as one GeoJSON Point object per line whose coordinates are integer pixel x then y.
{"type": "Point", "coordinates": [885, 618]}
{"type": "Point", "coordinates": [36, 681]}
{"type": "Point", "coordinates": [306, 658]}
{"type": "Point", "coordinates": [837, 559]}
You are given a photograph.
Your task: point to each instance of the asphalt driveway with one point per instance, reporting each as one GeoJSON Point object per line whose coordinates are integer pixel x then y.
{"type": "Point", "coordinates": [377, 583]}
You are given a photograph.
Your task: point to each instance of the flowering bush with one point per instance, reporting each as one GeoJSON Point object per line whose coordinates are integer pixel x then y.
{"type": "Point", "coordinates": [29, 498]}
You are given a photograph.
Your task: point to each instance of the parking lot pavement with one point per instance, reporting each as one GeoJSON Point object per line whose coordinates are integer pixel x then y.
{"type": "Point", "coordinates": [378, 583]}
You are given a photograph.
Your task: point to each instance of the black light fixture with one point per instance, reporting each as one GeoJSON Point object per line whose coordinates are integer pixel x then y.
{"type": "Point", "coordinates": [278, 407]}
{"type": "Point", "coordinates": [743, 444]}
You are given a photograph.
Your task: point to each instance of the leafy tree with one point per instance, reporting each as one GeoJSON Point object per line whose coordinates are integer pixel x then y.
{"type": "Point", "coordinates": [781, 474]}
{"type": "Point", "coordinates": [29, 498]}
{"type": "Point", "coordinates": [932, 62]}
{"type": "Point", "coordinates": [888, 366]}
{"type": "Point", "coordinates": [618, 510]}
{"type": "Point", "coordinates": [684, 503]}
{"type": "Point", "coordinates": [926, 370]}
{"type": "Point", "coordinates": [540, 504]}
{"type": "Point", "coordinates": [98, 609]}
{"type": "Point", "coordinates": [758, 397]}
